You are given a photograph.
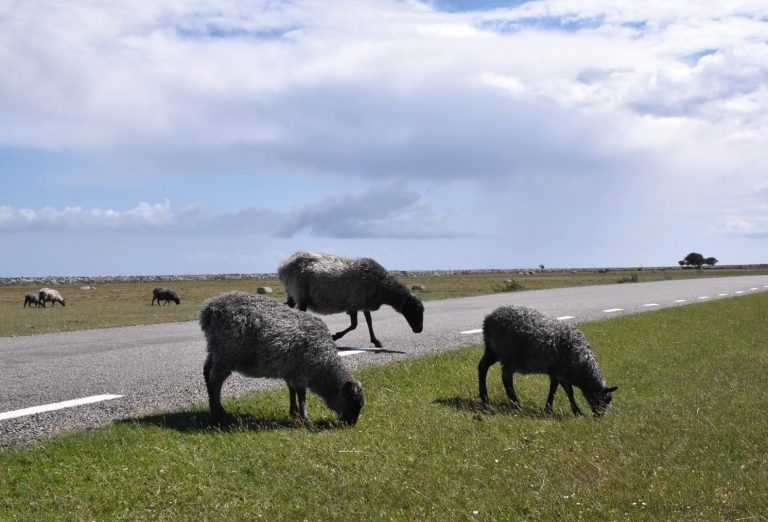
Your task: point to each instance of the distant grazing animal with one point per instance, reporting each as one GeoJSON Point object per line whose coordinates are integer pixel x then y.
{"type": "Point", "coordinates": [31, 299]}
{"type": "Point", "coordinates": [164, 294]}
{"type": "Point", "coordinates": [260, 337]}
{"type": "Point", "coordinates": [50, 295]}
{"type": "Point", "coordinates": [526, 341]}
{"type": "Point", "coordinates": [329, 284]}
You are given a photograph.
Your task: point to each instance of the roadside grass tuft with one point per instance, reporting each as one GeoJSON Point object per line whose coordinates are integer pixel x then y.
{"type": "Point", "coordinates": [685, 439]}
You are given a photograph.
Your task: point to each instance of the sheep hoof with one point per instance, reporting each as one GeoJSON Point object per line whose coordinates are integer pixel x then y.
{"type": "Point", "coordinates": [377, 344]}
{"type": "Point", "coordinates": [305, 423]}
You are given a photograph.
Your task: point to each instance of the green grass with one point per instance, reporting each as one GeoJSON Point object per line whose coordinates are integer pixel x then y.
{"type": "Point", "coordinates": [685, 440]}
{"type": "Point", "coordinates": [129, 304]}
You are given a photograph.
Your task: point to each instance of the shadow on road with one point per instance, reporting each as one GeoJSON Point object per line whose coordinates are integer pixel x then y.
{"type": "Point", "coordinates": [369, 350]}
{"type": "Point", "coordinates": [497, 408]}
{"type": "Point", "coordinates": [196, 421]}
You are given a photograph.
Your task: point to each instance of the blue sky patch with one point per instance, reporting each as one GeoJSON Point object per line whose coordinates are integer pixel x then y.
{"type": "Point", "coordinates": [459, 6]}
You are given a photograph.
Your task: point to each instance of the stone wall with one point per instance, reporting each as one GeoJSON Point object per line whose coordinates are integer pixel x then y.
{"type": "Point", "coordinates": [96, 280]}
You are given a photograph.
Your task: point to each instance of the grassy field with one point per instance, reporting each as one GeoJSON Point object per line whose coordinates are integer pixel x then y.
{"type": "Point", "coordinates": [685, 440]}
{"type": "Point", "coordinates": [129, 304]}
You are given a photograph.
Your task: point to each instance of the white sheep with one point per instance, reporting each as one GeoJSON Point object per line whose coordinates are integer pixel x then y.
{"type": "Point", "coordinates": [330, 284]}
{"type": "Point", "coordinates": [50, 295]}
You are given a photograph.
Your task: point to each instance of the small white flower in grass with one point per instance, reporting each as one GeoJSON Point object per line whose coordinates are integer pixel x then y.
{"type": "Point", "coordinates": [475, 512]}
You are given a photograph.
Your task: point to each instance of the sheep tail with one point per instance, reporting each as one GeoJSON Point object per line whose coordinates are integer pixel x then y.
{"type": "Point", "coordinates": [206, 317]}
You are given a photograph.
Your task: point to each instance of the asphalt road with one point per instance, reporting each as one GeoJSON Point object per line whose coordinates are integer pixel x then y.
{"type": "Point", "coordinates": [159, 367]}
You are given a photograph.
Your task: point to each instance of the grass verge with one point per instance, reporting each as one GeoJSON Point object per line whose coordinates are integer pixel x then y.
{"type": "Point", "coordinates": [685, 440]}
{"type": "Point", "coordinates": [127, 304]}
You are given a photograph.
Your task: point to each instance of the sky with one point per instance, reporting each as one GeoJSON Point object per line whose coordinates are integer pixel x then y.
{"type": "Point", "coordinates": [166, 137]}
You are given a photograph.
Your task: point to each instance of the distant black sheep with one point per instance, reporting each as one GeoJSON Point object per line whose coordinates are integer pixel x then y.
{"type": "Point", "coordinates": [31, 299]}
{"type": "Point", "coordinates": [260, 337]}
{"type": "Point", "coordinates": [527, 341]}
{"type": "Point", "coordinates": [330, 284]}
{"type": "Point", "coordinates": [164, 294]}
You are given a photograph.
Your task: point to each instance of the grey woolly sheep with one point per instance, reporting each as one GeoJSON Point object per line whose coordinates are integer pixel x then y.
{"type": "Point", "coordinates": [31, 299]}
{"type": "Point", "coordinates": [164, 294]}
{"type": "Point", "coordinates": [526, 341]}
{"type": "Point", "coordinates": [50, 295]}
{"type": "Point", "coordinates": [260, 337]}
{"type": "Point", "coordinates": [329, 284]}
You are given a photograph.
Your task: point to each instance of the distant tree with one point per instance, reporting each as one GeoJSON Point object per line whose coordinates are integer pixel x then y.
{"type": "Point", "coordinates": [681, 263]}
{"type": "Point", "coordinates": [541, 266]}
{"type": "Point", "coordinates": [710, 261]}
{"type": "Point", "coordinates": [694, 259]}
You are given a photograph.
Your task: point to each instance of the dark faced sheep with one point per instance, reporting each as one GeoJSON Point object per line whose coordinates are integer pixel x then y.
{"type": "Point", "coordinates": [526, 341]}
{"type": "Point", "coordinates": [164, 294]}
{"type": "Point", "coordinates": [259, 337]}
{"type": "Point", "coordinates": [31, 299]}
{"type": "Point", "coordinates": [329, 284]}
{"type": "Point", "coordinates": [50, 295]}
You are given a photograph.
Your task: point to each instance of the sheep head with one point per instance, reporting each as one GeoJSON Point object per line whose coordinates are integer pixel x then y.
{"type": "Point", "coordinates": [351, 402]}
{"type": "Point", "coordinates": [413, 311]}
{"type": "Point", "coordinates": [599, 399]}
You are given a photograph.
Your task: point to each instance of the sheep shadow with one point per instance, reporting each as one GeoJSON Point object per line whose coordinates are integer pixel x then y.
{"type": "Point", "coordinates": [197, 422]}
{"type": "Point", "coordinates": [497, 408]}
{"type": "Point", "coordinates": [342, 349]}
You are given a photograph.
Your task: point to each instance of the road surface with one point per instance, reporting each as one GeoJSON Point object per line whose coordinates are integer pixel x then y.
{"type": "Point", "coordinates": [129, 372]}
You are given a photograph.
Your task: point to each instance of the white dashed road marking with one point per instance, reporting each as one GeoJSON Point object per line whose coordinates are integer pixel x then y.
{"type": "Point", "coordinates": [681, 300]}
{"type": "Point", "coordinates": [344, 353]}
{"type": "Point", "coordinates": [722, 295]}
{"type": "Point", "coordinates": [739, 292]}
{"type": "Point", "coordinates": [706, 296]}
{"type": "Point", "coordinates": [611, 310]}
{"type": "Point", "coordinates": [651, 304]}
{"type": "Point", "coordinates": [565, 317]}
{"type": "Point", "coordinates": [56, 406]}
{"type": "Point", "coordinates": [473, 331]}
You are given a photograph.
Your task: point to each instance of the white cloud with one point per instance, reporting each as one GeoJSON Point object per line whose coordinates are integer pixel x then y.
{"type": "Point", "coordinates": [144, 215]}
{"type": "Point", "coordinates": [386, 212]}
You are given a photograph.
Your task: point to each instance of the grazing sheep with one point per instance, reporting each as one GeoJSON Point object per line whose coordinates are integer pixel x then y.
{"type": "Point", "coordinates": [526, 341]}
{"type": "Point", "coordinates": [31, 299]}
{"type": "Point", "coordinates": [260, 337]}
{"type": "Point", "coordinates": [164, 294]}
{"type": "Point", "coordinates": [329, 284]}
{"type": "Point", "coordinates": [48, 294]}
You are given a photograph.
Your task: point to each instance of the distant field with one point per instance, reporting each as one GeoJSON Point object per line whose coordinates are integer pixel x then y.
{"type": "Point", "coordinates": [124, 304]}
{"type": "Point", "coordinates": [684, 440]}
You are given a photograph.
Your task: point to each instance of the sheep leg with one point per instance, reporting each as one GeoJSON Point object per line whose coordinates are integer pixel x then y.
{"type": "Point", "coordinates": [290, 302]}
{"type": "Point", "coordinates": [368, 320]}
{"type": "Point", "coordinates": [294, 408]}
{"type": "Point", "coordinates": [486, 361]}
{"type": "Point", "coordinates": [506, 378]}
{"type": "Point", "coordinates": [301, 413]}
{"type": "Point", "coordinates": [569, 392]}
{"type": "Point", "coordinates": [214, 380]}
{"type": "Point", "coordinates": [553, 383]}
{"type": "Point", "coordinates": [352, 326]}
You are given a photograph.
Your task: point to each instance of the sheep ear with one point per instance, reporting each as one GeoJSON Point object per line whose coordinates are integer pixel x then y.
{"type": "Point", "coordinates": [611, 389]}
{"type": "Point", "coordinates": [352, 388]}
